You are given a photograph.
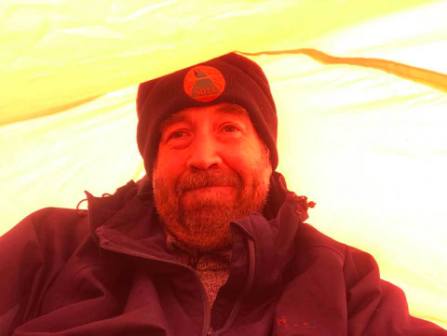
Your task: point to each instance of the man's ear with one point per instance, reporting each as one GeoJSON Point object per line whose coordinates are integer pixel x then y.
{"type": "Point", "coordinates": [265, 148]}
{"type": "Point", "coordinates": [267, 153]}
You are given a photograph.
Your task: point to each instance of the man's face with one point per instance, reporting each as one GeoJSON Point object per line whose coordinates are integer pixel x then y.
{"type": "Point", "coordinates": [211, 168]}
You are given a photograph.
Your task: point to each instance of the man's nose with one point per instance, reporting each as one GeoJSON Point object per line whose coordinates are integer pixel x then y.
{"type": "Point", "coordinates": [204, 154]}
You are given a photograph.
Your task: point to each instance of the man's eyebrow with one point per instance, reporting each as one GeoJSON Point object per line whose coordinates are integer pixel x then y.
{"type": "Point", "coordinates": [172, 119]}
{"type": "Point", "coordinates": [231, 109]}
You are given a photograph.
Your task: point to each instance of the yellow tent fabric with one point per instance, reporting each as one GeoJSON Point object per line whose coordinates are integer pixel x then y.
{"type": "Point", "coordinates": [363, 134]}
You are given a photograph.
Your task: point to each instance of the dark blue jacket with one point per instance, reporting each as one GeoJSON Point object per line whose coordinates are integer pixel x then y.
{"type": "Point", "coordinates": [106, 271]}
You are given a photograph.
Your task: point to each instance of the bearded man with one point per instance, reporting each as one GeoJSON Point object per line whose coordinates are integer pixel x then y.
{"type": "Point", "coordinates": [210, 242]}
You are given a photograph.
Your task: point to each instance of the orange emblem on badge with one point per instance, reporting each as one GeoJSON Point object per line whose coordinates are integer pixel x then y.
{"type": "Point", "coordinates": [204, 83]}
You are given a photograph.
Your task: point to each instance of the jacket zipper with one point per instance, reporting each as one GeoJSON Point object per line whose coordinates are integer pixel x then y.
{"type": "Point", "coordinates": [250, 278]}
{"type": "Point", "coordinates": [206, 331]}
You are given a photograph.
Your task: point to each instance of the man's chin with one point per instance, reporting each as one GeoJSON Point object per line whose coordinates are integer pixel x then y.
{"type": "Point", "coordinates": [204, 229]}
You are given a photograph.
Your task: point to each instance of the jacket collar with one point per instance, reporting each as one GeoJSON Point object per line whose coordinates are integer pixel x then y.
{"type": "Point", "coordinates": [128, 218]}
{"type": "Point", "coordinates": [274, 234]}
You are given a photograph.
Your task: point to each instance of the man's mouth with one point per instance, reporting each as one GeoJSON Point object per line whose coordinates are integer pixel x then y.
{"type": "Point", "coordinates": [209, 188]}
{"type": "Point", "coordinates": [207, 183]}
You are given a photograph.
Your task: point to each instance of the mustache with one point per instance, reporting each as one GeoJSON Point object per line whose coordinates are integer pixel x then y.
{"type": "Point", "coordinates": [203, 179]}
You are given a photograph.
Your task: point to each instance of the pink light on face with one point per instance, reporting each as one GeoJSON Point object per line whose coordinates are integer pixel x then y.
{"type": "Point", "coordinates": [211, 168]}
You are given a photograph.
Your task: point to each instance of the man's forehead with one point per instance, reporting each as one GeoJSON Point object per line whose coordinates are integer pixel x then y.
{"type": "Point", "coordinates": [223, 108]}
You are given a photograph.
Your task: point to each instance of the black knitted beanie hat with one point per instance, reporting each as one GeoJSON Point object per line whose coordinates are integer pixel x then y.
{"type": "Point", "coordinates": [230, 78]}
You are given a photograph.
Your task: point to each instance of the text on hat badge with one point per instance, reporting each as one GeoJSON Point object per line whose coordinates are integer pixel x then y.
{"type": "Point", "coordinates": [204, 83]}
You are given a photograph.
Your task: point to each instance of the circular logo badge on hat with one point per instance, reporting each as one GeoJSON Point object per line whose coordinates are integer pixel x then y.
{"type": "Point", "coordinates": [204, 83]}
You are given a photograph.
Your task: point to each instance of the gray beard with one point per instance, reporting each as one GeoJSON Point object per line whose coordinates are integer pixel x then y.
{"type": "Point", "coordinates": [206, 225]}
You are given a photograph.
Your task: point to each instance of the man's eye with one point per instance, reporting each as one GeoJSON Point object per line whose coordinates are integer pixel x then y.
{"type": "Point", "coordinates": [230, 128]}
{"type": "Point", "coordinates": [179, 134]}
